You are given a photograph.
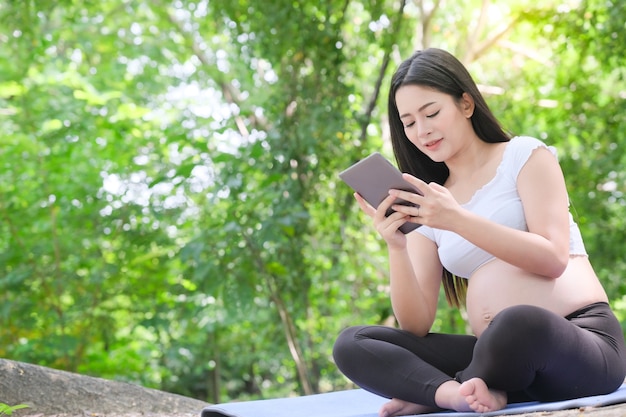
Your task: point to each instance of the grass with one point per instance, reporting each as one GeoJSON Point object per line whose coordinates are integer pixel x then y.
{"type": "Point", "coordinates": [8, 409]}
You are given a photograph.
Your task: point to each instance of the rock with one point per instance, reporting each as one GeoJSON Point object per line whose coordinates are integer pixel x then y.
{"type": "Point", "coordinates": [48, 391]}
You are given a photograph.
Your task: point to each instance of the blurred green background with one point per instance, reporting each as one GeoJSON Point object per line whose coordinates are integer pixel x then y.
{"type": "Point", "coordinates": [170, 211]}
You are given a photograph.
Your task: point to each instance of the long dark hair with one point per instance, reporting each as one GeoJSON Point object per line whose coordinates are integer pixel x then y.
{"type": "Point", "coordinates": [437, 69]}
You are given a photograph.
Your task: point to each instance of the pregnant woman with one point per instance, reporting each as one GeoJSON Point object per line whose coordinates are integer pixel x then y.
{"type": "Point", "coordinates": [498, 235]}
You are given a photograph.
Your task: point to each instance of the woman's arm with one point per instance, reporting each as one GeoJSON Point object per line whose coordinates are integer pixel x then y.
{"type": "Point", "coordinates": [414, 268]}
{"type": "Point", "coordinates": [543, 250]}
{"type": "Point", "coordinates": [415, 279]}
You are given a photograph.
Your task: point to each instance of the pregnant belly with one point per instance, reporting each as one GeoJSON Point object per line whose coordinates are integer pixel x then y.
{"type": "Point", "coordinates": [498, 285]}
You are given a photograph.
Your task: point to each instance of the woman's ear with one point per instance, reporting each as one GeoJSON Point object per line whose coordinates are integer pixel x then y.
{"type": "Point", "coordinates": [467, 105]}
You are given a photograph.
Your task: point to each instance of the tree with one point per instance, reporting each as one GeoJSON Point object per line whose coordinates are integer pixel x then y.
{"type": "Point", "coordinates": [171, 211]}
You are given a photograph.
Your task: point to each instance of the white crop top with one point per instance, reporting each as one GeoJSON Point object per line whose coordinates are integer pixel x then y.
{"type": "Point", "coordinates": [498, 201]}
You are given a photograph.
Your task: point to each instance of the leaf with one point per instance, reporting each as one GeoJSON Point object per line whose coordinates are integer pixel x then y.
{"type": "Point", "coordinates": [94, 98]}
{"type": "Point", "coordinates": [11, 89]}
{"type": "Point", "coordinates": [50, 125]}
{"type": "Point", "coordinates": [8, 410]}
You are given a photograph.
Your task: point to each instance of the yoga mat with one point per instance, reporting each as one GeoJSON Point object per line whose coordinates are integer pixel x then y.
{"type": "Point", "coordinates": [360, 403]}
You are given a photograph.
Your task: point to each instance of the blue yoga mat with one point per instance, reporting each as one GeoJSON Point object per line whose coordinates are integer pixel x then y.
{"type": "Point", "coordinates": [360, 403]}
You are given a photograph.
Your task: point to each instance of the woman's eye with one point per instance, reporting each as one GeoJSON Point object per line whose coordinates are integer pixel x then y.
{"type": "Point", "coordinates": [409, 125]}
{"type": "Point", "coordinates": [430, 116]}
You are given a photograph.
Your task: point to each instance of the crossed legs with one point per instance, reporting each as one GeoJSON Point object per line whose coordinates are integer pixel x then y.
{"type": "Point", "coordinates": [527, 353]}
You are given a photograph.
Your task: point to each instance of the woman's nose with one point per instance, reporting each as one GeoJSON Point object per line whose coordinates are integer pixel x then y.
{"type": "Point", "coordinates": [423, 130]}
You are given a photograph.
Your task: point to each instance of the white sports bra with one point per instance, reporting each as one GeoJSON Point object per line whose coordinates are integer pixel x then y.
{"type": "Point", "coordinates": [498, 201]}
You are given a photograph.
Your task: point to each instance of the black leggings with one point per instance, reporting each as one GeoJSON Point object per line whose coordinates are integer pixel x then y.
{"type": "Point", "coordinates": [527, 351]}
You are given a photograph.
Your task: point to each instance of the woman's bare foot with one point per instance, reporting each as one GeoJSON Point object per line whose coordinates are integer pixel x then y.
{"type": "Point", "coordinates": [480, 398]}
{"type": "Point", "coordinates": [397, 407]}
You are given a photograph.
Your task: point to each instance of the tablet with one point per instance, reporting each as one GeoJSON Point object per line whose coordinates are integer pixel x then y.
{"type": "Point", "coordinates": [373, 177]}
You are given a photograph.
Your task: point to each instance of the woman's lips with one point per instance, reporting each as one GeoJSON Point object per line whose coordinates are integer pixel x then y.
{"type": "Point", "coordinates": [433, 145]}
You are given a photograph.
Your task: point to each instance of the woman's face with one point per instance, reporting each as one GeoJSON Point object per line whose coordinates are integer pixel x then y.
{"type": "Point", "coordinates": [433, 121]}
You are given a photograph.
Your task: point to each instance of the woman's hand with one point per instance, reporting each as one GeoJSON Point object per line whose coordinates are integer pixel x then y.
{"type": "Point", "coordinates": [387, 226]}
{"type": "Point", "coordinates": [436, 207]}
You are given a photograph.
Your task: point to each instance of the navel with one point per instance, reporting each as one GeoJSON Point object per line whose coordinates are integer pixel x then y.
{"type": "Point", "coordinates": [487, 317]}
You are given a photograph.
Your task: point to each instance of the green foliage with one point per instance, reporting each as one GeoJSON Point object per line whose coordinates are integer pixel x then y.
{"type": "Point", "coordinates": [8, 409]}
{"type": "Point", "coordinates": [171, 213]}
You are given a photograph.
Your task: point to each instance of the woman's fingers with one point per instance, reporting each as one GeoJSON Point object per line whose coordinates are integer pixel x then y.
{"type": "Point", "coordinates": [409, 197]}
{"type": "Point", "coordinates": [365, 206]}
{"type": "Point", "coordinates": [371, 211]}
{"type": "Point", "coordinates": [407, 210]}
{"type": "Point", "coordinates": [386, 225]}
{"type": "Point", "coordinates": [420, 185]}
{"type": "Point", "coordinates": [383, 213]}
